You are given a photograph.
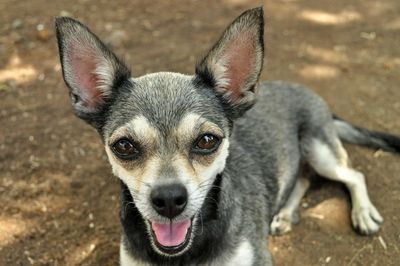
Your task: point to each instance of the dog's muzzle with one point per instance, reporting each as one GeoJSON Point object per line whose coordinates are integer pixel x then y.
{"type": "Point", "coordinates": [170, 201]}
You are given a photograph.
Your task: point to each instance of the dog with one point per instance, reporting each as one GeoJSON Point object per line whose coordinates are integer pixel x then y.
{"type": "Point", "coordinates": [205, 176]}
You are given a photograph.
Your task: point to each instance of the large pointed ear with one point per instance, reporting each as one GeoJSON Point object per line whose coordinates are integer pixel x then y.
{"type": "Point", "coordinates": [233, 65]}
{"type": "Point", "coordinates": [91, 71]}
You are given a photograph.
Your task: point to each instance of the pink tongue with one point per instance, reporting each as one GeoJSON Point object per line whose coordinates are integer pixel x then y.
{"type": "Point", "coordinates": [171, 234]}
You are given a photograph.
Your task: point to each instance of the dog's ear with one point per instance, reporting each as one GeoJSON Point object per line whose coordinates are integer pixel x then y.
{"type": "Point", "coordinates": [90, 70]}
{"type": "Point", "coordinates": [233, 65]}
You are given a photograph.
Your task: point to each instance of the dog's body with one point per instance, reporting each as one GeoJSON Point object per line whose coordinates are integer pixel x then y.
{"type": "Point", "coordinates": [201, 186]}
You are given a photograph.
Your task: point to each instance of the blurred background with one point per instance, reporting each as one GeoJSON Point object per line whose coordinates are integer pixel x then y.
{"type": "Point", "coordinates": [58, 198]}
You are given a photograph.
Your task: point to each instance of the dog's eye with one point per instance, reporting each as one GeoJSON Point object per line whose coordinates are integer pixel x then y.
{"type": "Point", "coordinates": [125, 149]}
{"type": "Point", "coordinates": [206, 144]}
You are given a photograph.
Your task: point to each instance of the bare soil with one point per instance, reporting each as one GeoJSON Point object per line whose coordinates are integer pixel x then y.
{"type": "Point", "coordinates": [59, 200]}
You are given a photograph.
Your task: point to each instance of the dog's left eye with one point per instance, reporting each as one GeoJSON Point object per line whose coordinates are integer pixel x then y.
{"type": "Point", "coordinates": [125, 149]}
{"type": "Point", "coordinates": [206, 144]}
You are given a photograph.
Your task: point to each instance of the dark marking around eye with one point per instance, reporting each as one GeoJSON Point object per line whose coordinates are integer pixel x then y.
{"type": "Point", "coordinates": [206, 144]}
{"type": "Point", "coordinates": [125, 149]}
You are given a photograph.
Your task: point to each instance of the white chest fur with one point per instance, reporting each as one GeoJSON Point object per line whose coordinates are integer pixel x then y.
{"type": "Point", "coordinates": [243, 256]}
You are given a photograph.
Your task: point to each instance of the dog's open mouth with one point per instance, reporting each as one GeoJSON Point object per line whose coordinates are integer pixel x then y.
{"type": "Point", "coordinates": [171, 237]}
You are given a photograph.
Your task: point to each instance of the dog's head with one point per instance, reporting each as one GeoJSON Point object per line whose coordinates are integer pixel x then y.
{"type": "Point", "coordinates": [166, 134]}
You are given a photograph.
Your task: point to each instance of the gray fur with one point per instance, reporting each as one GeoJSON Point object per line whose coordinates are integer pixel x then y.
{"type": "Point", "coordinates": [267, 146]}
{"type": "Point", "coordinates": [369, 138]}
{"type": "Point", "coordinates": [164, 98]}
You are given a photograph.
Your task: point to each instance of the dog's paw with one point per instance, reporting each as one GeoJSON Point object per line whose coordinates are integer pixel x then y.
{"type": "Point", "coordinates": [366, 219]}
{"type": "Point", "coordinates": [283, 221]}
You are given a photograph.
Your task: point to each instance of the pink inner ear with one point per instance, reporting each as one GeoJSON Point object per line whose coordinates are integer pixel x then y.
{"type": "Point", "coordinates": [241, 58]}
{"type": "Point", "coordinates": [83, 68]}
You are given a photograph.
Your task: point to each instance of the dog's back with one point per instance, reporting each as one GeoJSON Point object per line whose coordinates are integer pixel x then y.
{"type": "Point", "coordinates": [271, 132]}
{"type": "Point", "coordinates": [290, 127]}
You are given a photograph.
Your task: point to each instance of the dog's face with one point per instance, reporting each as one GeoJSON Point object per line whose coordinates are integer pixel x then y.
{"type": "Point", "coordinates": [167, 142]}
{"type": "Point", "coordinates": [166, 134]}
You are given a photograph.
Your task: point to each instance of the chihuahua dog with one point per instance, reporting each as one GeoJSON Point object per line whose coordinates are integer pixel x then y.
{"type": "Point", "coordinates": [204, 176]}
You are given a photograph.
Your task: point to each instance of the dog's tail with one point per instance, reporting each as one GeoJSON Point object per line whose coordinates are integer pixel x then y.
{"type": "Point", "coordinates": [365, 137]}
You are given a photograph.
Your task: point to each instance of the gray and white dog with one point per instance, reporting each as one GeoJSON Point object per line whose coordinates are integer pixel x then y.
{"type": "Point", "coordinates": [205, 177]}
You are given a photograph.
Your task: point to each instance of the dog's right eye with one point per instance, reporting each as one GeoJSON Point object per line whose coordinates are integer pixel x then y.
{"type": "Point", "coordinates": [125, 149]}
{"type": "Point", "coordinates": [206, 144]}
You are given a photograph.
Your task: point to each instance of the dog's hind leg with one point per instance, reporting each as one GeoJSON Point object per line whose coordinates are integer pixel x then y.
{"type": "Point", "coordinates": [329, 159]}
{"type": "Point", "coordinates": [289, 214]}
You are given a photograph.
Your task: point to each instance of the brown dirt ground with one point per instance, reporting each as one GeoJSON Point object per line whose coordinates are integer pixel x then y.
{"type": "Point", "coordinates": [59, 201]}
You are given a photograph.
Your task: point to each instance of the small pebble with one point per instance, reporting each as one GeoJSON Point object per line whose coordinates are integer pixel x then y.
{"type": "Point", "coordinates": [17, 24]}
{"type": "Point", "coordinates": [39, 27]}
{"type": "Point", "coordinates": [382, 242]}
{"type": "Point", "coordinates": [65, 13]}
{"type": "Point", "coordinates": [42, 33]}
{"type": "Point", "coordinates": [368, 35]}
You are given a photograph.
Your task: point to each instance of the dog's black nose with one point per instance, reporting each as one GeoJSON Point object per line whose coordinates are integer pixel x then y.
{"type": "Point", "coordinates": [169, 200]}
